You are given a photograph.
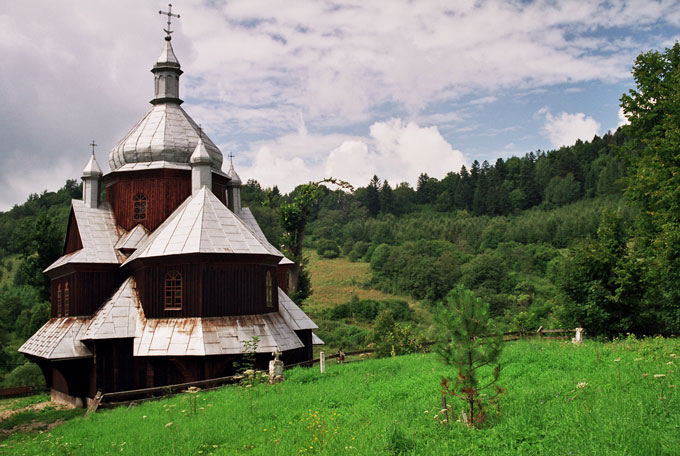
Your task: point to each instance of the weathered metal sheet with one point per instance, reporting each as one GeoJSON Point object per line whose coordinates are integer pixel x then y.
{"type": "Point", "coordinates": [133, 238]}
{"type": "Point", "coordinates": [316, 340]}
{"type": "Point", "coordinates": [59, 338]}
{"type": "Point", "coordinates": [214, 336]}
{"type": "Point", "coordinates": [98, 233]}
{"type": "Point", "coordinates": [165, 134]}
{"type": "Point", "coordinates": [202, 224]}
{"type": "Point", "coordinates": [294, 317]}
{"type": "Point", "coordinates": [118, 317]}
{"type": "Point", "coordinates": [247, 218]}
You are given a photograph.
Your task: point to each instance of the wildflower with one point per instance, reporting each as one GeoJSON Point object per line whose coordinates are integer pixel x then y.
{"type": "Point", "coordinates": [669, 363]}
{"type": "Point", "coordinates": [673, 355]}
{"type": "Point", "coordinates": [144, 417]}
{"type": "Point", "coordinates": [426, 411]}
{"type": "Point", "coordinates": [659, 375]}
{"type": "Point", "coordinates": [169, 424]}
{"type": "Point", "coordinates": [617, 360]}
{"type": "Point", "coordinates": [581, 385]}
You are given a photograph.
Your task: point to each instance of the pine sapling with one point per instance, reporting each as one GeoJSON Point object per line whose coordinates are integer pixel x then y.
{"type": "Point", "coordinates": [465, 341]}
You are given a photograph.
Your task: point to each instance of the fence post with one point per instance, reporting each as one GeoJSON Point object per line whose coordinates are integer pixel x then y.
{"type": "Point", "coordinates": [540, 331]}
{"type": "Point", "coordinates": [322, 362]}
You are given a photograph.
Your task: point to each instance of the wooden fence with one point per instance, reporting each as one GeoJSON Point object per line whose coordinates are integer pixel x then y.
{"type": "Point", "coordinates": [20, 391]}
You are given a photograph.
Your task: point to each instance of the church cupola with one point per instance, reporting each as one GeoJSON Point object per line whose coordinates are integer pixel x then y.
{"type": "Point", "coordinates": [234, 190]}
{"type": "Point", "coordinates": [166, 76]}
{"type": "Point", "coordinates": [91, 181]}
{"type": "Point", "coordinates": [201, 173]}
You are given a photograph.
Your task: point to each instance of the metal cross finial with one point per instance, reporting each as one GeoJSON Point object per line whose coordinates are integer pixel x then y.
{"type": "Point", "coordinates": [231, 158]}
{"type": "Point", "coordinates": [93, 144]}
{"type": "Point", "coordinates": [170, 16]}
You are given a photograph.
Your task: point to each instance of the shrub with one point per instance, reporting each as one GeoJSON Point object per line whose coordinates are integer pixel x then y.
{"type": "Point", "coordinates": [28, 374]}
{"type": "Point", "coordinates": [328, 249]}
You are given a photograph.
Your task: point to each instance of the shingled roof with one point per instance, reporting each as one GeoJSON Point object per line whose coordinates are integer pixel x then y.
{"type": "Point", "coordinates": [202, 224]}
{"type": "Point", "coordinates": [98, 233]}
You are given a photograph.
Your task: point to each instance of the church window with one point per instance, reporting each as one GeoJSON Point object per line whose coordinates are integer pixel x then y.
{"type": "Point", "coordinates": [59, 299]}
{"type": "Point", "coordinates": [139, 206]}
{"type": "Point", "coordinates": [173, 290]}
{"type": "Point", "coordinates": [67, 298]}
{"type": "Point", "coordinates": [269, 290]}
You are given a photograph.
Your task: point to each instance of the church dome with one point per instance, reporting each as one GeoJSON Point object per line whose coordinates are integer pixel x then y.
{"type": "Point", "coordinates": [166, 134]}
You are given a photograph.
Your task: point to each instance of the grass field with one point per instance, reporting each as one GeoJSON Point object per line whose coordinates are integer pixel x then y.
{"type": "Point", "coordinates": [617, 398]}
{"type": "Point", "coordinates": [335, 281]}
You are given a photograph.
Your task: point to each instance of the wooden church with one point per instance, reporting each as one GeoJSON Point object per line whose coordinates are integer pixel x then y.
{"type": "Point", "coordinates": [164, 281]}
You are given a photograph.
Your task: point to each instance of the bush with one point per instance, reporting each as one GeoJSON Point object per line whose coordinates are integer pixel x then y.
{"type": "Point", "coordinates": [28, 374]}
{"type": "Point", "coordinates": [328, 249]}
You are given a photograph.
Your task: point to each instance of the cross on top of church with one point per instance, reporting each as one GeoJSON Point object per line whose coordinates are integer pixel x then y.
{"type": "Point", "coordinates": [170, 16]}
{"type": "Point", "coordinates": [93, 144]}
{"type": "Point", "coordinates": [231, 158]}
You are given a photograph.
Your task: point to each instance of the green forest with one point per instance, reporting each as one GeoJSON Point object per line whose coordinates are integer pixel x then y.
{"type": "Point", "coordinates": [586, 235]}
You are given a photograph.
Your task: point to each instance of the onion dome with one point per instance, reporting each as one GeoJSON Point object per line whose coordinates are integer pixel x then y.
{"type": "Point", "coordinates": [166, 134]}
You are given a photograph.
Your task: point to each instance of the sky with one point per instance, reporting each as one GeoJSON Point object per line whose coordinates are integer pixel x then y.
{"type": "Point", "coordinates": [302, 90]}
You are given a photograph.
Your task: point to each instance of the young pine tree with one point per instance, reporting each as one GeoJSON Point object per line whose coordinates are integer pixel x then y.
{"type": "Point", "coordinates": [465, 342]}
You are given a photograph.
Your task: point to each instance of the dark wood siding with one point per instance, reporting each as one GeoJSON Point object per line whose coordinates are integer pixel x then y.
{"type": "Point", "coordinates": [87, 290]}
{"type": "Point", "coordinates": [164, 191]}
{"type": "Point", "coordinates": [219, 187]}
{"type": "Point", "coordinates": [208, 289]}
{"type": "Point", "coordinates": [73, 241]}
{"type": "Point", "coordinates": [282, 277]}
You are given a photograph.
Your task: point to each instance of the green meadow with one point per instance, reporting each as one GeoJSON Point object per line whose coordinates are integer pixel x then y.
{"type": "Point", "coordinates": [618, 398]}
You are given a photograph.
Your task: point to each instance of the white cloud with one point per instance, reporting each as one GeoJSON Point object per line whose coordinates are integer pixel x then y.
{"type": "Point", "coordinates": [623, 120]}
{"type": "Point", "coordinates": [395, 150]}
{"type": "Point", "coordinates": [564, 129]}
{"type": "Point", "coordinates": [257, 71]}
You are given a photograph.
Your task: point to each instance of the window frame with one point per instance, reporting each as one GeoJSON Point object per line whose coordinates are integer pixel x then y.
{"type": "Point", "coordinates": [269, 290]}
{"type": "Point", "coordinates": [139, 205]}
{"type": "Point", "coordinates": [172, 290]}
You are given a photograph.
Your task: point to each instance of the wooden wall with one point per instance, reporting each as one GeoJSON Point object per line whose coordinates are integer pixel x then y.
{"type": "Point", "coordinates": [208, 289]}
{"type": "Point", "coordinates": [73, 241]}
{"type": "Point", "coordinates": [164, 189]}
{"type": "Point", "coordinates": [88, 290]}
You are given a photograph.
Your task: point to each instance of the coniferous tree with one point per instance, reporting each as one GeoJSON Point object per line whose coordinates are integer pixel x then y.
{"type": "Point", "coordinates": [465, 341]}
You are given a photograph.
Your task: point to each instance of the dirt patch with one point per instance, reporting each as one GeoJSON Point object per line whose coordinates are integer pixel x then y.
{"type": "Point", "coordinates": [4, 414]}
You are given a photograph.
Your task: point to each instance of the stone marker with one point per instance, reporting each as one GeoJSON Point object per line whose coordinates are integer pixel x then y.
{"type": "Point", "coordinates": [275, 368]}
{"type": "Point", "coordinates": [322, 362]}
{"type": "Point", "coordinates": [579, 336]}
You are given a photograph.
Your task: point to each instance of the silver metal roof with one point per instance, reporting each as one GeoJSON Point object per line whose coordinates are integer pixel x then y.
{"type": "Point", "coordinates": [119, 317]}
{"type": "Point", "coordinates": [165, 133]}
{"type": "Point", "coordinates": [92, 168]}
{"type": "Point", "coordinates": [133, 238]}
{"type": "Point", "coordinates": [316, 340]}
{"type": "Point", "coordinates": [167, 55]}
{"type": "Point", "coordinates": [122, 316]}
{"type": "Point", "coordinates": [202, 224]}
{"type": "Point", "coordinates": [235, 180]}
{"type": "Point", "coordinates": [200, 154]}
{"type": "Point", "coordinates": [294, 317]}
{"type": "Point", "coordinates": [249, 220]}
{"type": "Point", "coordinates": [213, 336]}
{"type": "Point", "coordinates": [59, 338]}
{"type": "Point", "coordinates": [99, 234]}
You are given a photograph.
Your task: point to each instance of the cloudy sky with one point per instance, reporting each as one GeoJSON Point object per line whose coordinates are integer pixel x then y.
{"type": "Point", "coordinates": [301, 90]}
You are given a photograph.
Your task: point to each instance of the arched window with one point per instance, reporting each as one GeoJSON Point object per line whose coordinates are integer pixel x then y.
{"type": "Point", "coordinates": [59, 300]}
{"type": "Point", "coordinates": [67, 298]}
{"type": "Point", "coordinates": [173, 290]}
{"type": "Point", "coordinates": [139, 207]}
{"type": "Point", "coordinates": [269, 290]}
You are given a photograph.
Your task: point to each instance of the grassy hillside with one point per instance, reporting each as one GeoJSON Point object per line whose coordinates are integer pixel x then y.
{"type": "Point", "coordinates": [596, 399]}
